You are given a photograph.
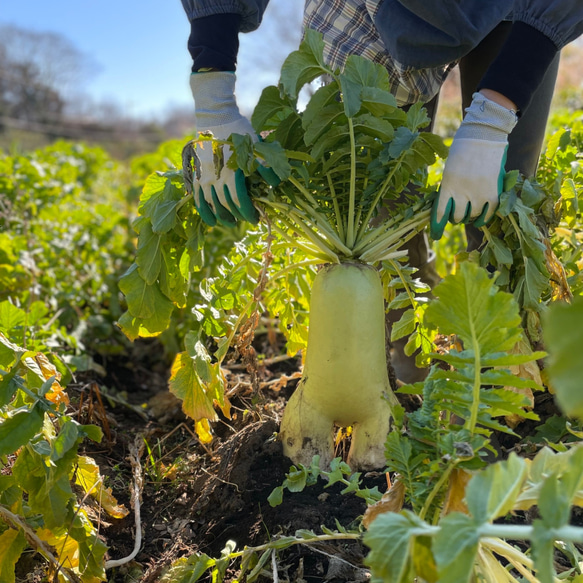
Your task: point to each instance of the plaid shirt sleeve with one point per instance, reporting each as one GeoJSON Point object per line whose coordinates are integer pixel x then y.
{"type": "Point", "coordinates": [348, 29]}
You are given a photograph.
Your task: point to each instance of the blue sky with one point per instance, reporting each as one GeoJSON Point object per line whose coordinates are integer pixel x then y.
{"type": "Point", "coordinates": [139, 48]}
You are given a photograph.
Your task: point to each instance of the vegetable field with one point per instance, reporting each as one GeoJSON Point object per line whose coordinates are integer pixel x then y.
{"type": "Point", "coordinates": [182, 403]}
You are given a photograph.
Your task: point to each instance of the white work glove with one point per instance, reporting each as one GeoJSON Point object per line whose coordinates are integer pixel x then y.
{"type": "Point", "coordinates": [222, 199]}
{"type": "Point", "coordinates": [473, 176]}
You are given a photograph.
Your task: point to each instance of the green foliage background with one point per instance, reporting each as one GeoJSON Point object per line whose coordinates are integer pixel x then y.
{"type": "Point", "coordinates": [71, 222]}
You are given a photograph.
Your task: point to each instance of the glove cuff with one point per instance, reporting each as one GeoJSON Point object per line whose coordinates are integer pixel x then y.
{"type": "Point", "coordinates": [214, 99]}
{"type": "Point", "coordinates": [487, 120]}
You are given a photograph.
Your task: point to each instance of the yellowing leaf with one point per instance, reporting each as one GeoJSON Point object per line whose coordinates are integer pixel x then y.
{"type": "Point", "coordinates": [88, 477]}
{"type": "Point", "coordinates": [456, 492]}
{"type": "Point", "coordinates": [558, 279]}
{"type": "Point", "coordinates": [40, 365]}
{"type": "Point", "coordinates": [529, 370]}
{"type": "Point", "coordinates": [12, 543]}
{"type": "Point", "coordinates": [82, 555]}
{"type": "Point", "coordinates": [66, 548]}
{"type": "Point", "coordinates": [203, 430]}
{"type": "Point", "coordinates": [186, 384]}
{"type": "Point", "coordinates": [392, 501]}
{"type": "Point", "coordinates": [133, 328]}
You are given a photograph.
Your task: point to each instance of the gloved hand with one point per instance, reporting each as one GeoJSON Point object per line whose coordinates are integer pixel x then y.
{"type": "Point", "coordinates": [473, 176]}
{"type": "Point", "coordinates": [224, 199]}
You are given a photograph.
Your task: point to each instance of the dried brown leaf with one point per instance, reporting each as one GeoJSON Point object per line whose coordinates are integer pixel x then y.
{"type": "Point", "coordinates": [392, 501]}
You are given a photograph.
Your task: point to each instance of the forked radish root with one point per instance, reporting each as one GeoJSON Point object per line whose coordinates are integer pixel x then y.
{"type": "Point", "coordinates": [345, 380]}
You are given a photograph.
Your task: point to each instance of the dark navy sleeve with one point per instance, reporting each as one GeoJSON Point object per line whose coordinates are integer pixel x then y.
{"type": "Point", "coordinates": [214, 42]}
{"type": "Point", "coordinates": [251, 11]}
{"type": "Point", "coordinates": [521, 64]}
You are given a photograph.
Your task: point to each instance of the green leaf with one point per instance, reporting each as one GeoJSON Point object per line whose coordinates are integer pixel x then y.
{"type": "Point", "coordinates": [563, 334]}
{"type": "Point", "coordinates": [402, 300]}
{"type": "Point", "coordinates": [323, 122]}
{"type": "Point", "coordinates": [48, 487]}
{"type": "Point", "coordinates": [296, 479]}
{"type": "Point", "coordinates": [323, 97]}
{"type": "Point", "coordinates": [8, 386]}
{"type": "Point", "coordinates": [423, 560]}
{"type": "Point", "coordinates": [276, 497]}
{"type": "Point", "coordinates": [254, 574]}
{"type": "Point", "coordinates": [331, 141]}
{"type": "Point", "coordinates": [269, 105]}
{"type": "Point", "coordinates": [543, 549]}
{"type": "Point", "coordinates": [172, 282]}
{"type": "Point", "coordinates": [145, 301]}
{"type": "Point", "coordinates": [492, 492]}
{"type": "Point", "coordinates": [164, 217]}
{"type": "Point", "coordinates": [357, 74]}
{"type": "Point", "coordinates": [149, 255]}
{"type": "Point", "coordinates": [455, 548]}
{"type": "Point", "coordinates": [390, 539]}
{"type": "Point", "coordinates": [554, 504]}
{"type": "Point", "coordinates": [366, 73]}
{"type": "Point", "coordinates": [535, 284]}
{"type": "Point", "coordinates": [501, 252]}
{"type": "Point", "coordinates": [67, 438]}
{"type": "Point", "coordinates": [372, 126]}
{"type": "Point", "coordinates": [436, 143]}
{"type": "Point", "coordinates": [531, 194]}
{"type": "Point", "coordinates": [188, 569]}
{"type": "Point", "coordinates": [417, 117]}
{"type": "Point", "coordinates": [555, 141]}
{"type": "Point", "coordinates": [510, 180]}
{"type": "Point", "coordinates": [403, 141]}
{"type": "Point", "coordinates": [11, 316]}
{"type": "Point", "coordinates": [404, 326]}
{"type": "Point", "coordinates": [19, 429]}
{"type": "Point", "coordinates": [380, 102]}
{"type": "Point", "coordinates": [12, 543]}
{"type": "Point", "coordinates": [470, 306]}
{"type": "Point", "coordinates": [275, 158]}
{"type": "Point", "coordinates": [151, 194]}
{"type": "Point", "coordinates": [92, 432]}
{"type": "Point", "coordinates": [304, 65]}
{"type": "Point", "coordinates": [36, 312]}
{"type": "Point", "coordinates": [91, 549]}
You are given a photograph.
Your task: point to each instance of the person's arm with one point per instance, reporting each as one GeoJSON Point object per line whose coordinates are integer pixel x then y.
{"type": "Point", "coordinates": [214, 42]}
{"type": "Point", "coordinates": [520, 67]}
{"type": "Point", "coordinates": [213, 45]}
{"type": "Point", "coordinates": [473, 176]}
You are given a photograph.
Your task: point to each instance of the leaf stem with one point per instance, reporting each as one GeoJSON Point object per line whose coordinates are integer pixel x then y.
{"type": "Point", "coordinates": [382, 191]}
{"type": "Point", "coordinates": [299, 265]}
{"type": "Point", "coordinates": [339, 218]}
{"type": "Point", "coordinates": [322, 248]}
{"type": "Point", "coordinates": [395, 265]}
{"type": "Point", "coordinates": [438, 485]}
{"type": "Point", "coordinates": [386, 230]}
{"type": "Point", "coordinates": [475, 406]}
{"type": "Point", "coordinates": [400, 236]}
{"type": "Point", "coordinates": [352, 198]}
{"type": "Point", "coordinates": [307, 214]}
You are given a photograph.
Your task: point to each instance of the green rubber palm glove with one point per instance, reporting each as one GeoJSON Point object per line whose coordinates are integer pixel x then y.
{"type": "Point", "coordinates": [473, 176]}
{"type": "Point", "coordinates": [223, 199]}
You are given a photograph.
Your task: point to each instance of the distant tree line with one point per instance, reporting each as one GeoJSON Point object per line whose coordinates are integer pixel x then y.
{"type": "Point", "coordinates": [40, 73]}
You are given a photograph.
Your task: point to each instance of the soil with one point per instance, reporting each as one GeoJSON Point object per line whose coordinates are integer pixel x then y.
{"type": "Point", "coordinates": [196, 497]}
